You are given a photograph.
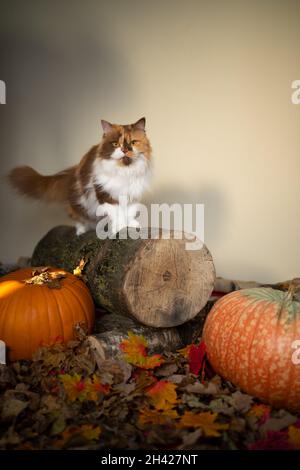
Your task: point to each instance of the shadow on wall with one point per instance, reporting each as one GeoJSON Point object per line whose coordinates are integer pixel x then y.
{"type": "Point", "coordinates": [215, 207]}
{"type": "Point", "coordinates": [56, 94]}
{"type": "Point", "coordinates": [218, 213]}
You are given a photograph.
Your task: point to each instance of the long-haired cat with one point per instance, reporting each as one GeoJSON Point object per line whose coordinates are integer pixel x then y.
{"type": "Point", "coordinates": [118, 167]}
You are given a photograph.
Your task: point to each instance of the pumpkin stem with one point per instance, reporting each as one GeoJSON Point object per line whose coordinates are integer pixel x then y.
{"type": "Point", "coordinates": [44, 276]}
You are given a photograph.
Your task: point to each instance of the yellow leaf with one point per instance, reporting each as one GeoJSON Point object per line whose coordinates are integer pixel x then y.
{"type": "Point", "coordinates": [150, 362]}
{"type": "Point", "coordinates": [185, 351]}
{"type": "Point", "coordinates": [75, 386]}
{"type": "Point", "coordinates": [163, 395]}
{"type": "Point", "coordinates": [94, 388]}
{"type": "Point", "coordinates": [78, 270]}
{"type": "Point", "coordinates": [135, 349]}
{"type": "Point", "coordinates": [90, 432]}
{"type": "Point", "coordinates": [205, 421]}
{"type": "Point", "coordinates": [148, 416]}
{"type": "Point", "coordinates": [259, 410]}
{"type": "Point", "coordinates": [294, 436]}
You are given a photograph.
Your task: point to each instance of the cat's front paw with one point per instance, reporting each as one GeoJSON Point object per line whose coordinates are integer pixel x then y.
{"type": "Point", "coordinates": [80, 228]}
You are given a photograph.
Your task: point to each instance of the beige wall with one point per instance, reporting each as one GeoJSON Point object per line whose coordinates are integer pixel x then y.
{"type": "Point", "coordinates": [214, 81]}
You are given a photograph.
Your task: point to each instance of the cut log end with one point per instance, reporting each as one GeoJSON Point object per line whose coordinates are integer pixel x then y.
{"type": "Point", "coordinates": [167, 285]}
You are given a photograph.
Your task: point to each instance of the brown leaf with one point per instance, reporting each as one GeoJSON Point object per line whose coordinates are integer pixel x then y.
{"type": "Point", "coordinates": [192, 401]}
{"type": "Point", "coordinates": [240, 401]}
{"type": "Point", "coordinates": [197, 387]}
{"type": "Point", "coordinates": [282, 421]}
{"type": "Point", "coordinates": [176, 378]}
{"type": "Point", "coordinates": [166, 370]}
{"type": "Point", "coordinates": [44, 276]}
{"type": "Point", "coordinates": [189, 439]}
{"type": "Point", "coordinates": [220, 406]}
{"type": "Point", "coordinates": [12, 407]}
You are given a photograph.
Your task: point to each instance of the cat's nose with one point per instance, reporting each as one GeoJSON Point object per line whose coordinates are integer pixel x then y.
{"type": "Point", "coordinates": [126, 150]}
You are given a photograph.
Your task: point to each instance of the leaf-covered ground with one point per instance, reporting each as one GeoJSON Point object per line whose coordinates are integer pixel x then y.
{"type": "Point", "coordinates": [68, 397]}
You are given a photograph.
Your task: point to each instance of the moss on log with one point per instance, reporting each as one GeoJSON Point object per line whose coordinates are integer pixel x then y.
{"type": "Point", "coordinates": [156, 281]}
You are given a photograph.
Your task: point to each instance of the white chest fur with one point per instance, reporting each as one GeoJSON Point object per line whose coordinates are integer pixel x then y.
{"type": "Point", "coordinates": [118, 181]}
{"type": "Point", "coordinates": [129, 181]}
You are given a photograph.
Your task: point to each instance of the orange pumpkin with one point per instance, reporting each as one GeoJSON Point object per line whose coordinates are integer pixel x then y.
{"type": "Point", "coordinates": [250, 336]}
{"type": "Point", "coordinates": [39, 305]}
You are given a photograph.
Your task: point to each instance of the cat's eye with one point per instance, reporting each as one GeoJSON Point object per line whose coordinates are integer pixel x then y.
{"type": "Point", "coordinates": [133, 142]}
{"type": "Point", "coordinates": [115, 144]}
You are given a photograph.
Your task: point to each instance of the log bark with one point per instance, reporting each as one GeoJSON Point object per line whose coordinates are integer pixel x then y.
{"type": "Point", "coordinates": [156, 281]}
{"type": "Point", "coordinates": [111, 329]}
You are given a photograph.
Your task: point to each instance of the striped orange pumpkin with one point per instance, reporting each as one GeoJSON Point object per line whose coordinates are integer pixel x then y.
{"type": "Point", "coordinates": [39, 305]}
{"type": "Point", "coordinates": [250, 339]}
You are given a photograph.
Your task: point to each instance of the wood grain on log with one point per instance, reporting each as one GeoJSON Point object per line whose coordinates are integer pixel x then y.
{"type": "Point", "coordinates": [156, 281]}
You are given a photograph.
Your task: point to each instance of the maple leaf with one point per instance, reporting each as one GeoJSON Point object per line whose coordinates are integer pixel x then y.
{"type": "Point", "coordinates": [74, 387]}
{"type": "Point", "coordinates": [135, 346]}
{"type": "Point", "coordinates": [88, 431]}
{"type": "Point", "coordinates": [94, 387]}
{"type": "Point", "coordinates": [148, 416]}
{"type": "Point", "coordinates": [150, 362]}
{"type": "Point", "coordinates": [163, 395]}
{"type": "Point", "coordinates": [294, 436]}
{"type": "Point", "coordinates": [197, 358]}
{"type": "Point", "coordinates": [65, 436]}
{"type": "Point", "coordinates": [135, 349]}
{"type": "Point", "coordinates": [206, 421]}
{"type": "Point", "coordinates": [261, 412]}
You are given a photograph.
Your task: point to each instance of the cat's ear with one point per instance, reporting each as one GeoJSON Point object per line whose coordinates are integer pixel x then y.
{"type": "Point", "coordinates": [140, 124]}
{"type": "Point", "coordinates": [106, 126]}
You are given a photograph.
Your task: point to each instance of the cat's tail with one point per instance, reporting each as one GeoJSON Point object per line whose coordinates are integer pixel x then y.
{"type": "Point", "coordinates": [54, 188]}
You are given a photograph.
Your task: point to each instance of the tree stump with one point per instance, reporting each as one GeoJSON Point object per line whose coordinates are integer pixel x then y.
{"type": "Point", "coordinates": [154, 280]}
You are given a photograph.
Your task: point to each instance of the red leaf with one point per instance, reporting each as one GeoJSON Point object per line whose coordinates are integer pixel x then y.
{"type": "Point", "coordinates": [196, 356]}
{"type": "Point", "coordinates": [274, 440]}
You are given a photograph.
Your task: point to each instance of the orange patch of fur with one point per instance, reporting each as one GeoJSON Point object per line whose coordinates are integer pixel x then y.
{"type": "Point", "coordinates": [69, 185]}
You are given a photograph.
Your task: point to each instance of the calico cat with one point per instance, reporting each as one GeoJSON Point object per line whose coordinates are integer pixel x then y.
{"type": "Point", "coordinates": [118, 167]}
